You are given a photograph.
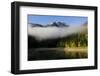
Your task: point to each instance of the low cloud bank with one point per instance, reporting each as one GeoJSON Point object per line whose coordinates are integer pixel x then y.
{"type": "Point", "coordinates": [43, 33]}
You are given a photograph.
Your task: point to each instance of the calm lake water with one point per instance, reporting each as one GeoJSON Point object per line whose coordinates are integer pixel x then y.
{"type": "Point", "coordinates": [55, 53]}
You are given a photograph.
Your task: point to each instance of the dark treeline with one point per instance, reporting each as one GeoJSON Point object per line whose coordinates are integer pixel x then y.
{"type": "Point", "coordinates": [50, 43]}
{"type": "Point", "coordinates": [74, 40]}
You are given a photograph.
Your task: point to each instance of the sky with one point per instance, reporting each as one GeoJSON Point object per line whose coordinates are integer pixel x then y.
{"type": "Point", "coordinates": [46, 19]}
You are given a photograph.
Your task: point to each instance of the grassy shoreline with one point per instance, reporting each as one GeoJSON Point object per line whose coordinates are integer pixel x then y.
{"type": "Point", "coordinates": [76, 49]}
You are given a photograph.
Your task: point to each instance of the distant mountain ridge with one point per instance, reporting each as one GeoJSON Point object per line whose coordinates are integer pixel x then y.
{"type": "Point", "coordinates": [35, 25]}
{"type": "Point", "coordinates": [54, 24]}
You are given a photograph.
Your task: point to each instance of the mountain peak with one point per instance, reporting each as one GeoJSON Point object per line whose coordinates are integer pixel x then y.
{"type": "Point", "coordinates": [58, 24]}
{"type": "Point", "coordinates": [35, 25]}
{"type": "Point", "coordinates": [54, 24]}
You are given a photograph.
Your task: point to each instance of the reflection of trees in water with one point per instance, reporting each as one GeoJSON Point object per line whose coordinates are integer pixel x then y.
{"type": "Point", "coordinates": [46, 54]}
{"type": "Point", "coordinates": [54, 53]}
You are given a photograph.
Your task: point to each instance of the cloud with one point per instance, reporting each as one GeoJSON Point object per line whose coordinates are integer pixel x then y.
{"type": "Point", "coordinates": [43, 33]}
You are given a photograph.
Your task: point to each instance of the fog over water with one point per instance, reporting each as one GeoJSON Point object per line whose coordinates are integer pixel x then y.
{"type": "Point", "coordinates": [43, 33]}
